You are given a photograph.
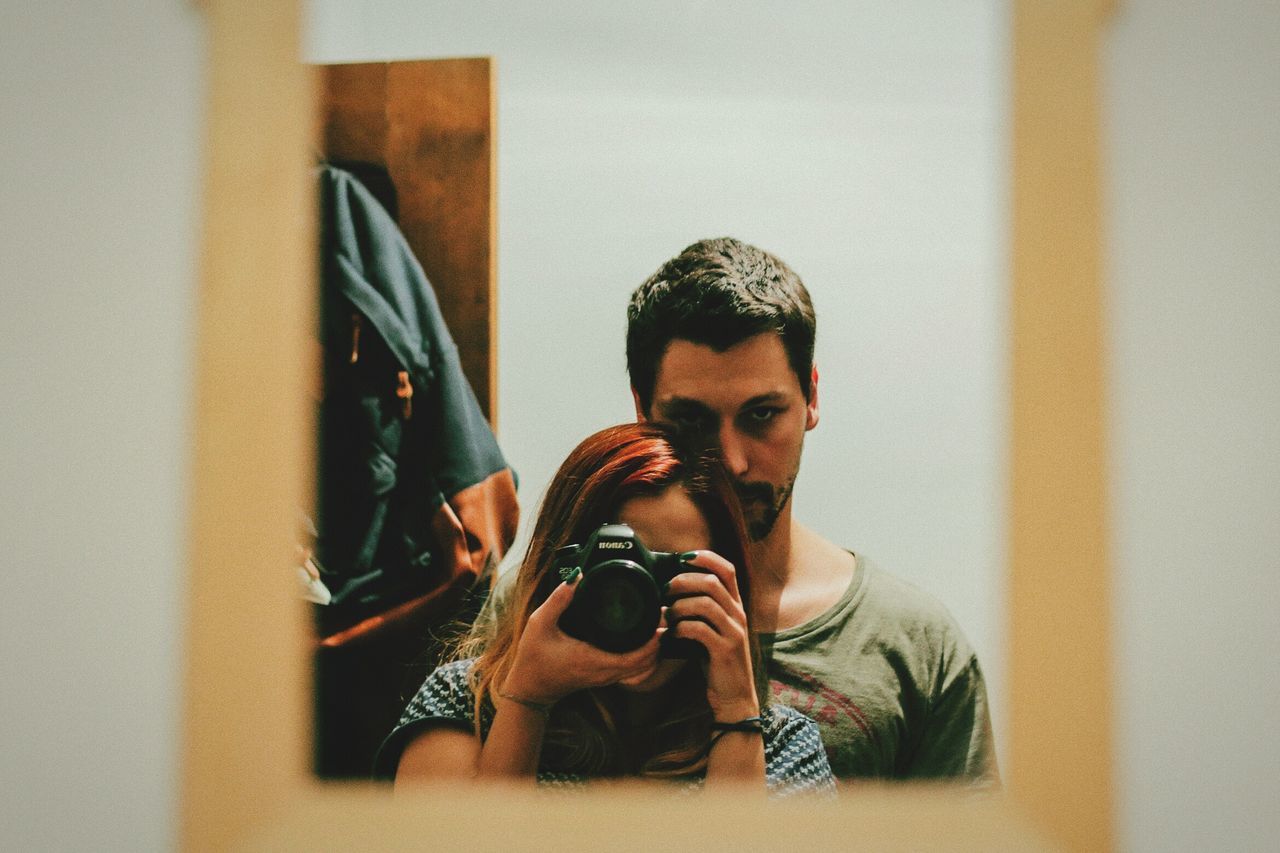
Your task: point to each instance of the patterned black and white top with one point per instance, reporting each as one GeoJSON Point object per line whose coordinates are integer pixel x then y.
{"type": "Point", "coordinates": [795, 762]}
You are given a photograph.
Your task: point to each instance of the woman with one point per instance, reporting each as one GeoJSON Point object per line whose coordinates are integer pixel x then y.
{"type": "Point", "coordinates": [537, 702]}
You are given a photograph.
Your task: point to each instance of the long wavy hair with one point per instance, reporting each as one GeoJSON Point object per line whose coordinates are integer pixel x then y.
{"type": "Point", "coordinates": [586, 733]}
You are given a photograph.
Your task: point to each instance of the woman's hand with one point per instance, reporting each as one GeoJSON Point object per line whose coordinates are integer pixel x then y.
{"type": "Point", "coordinates": [549, 664]}
{"type": "Point", "coordinates": [708, 608]}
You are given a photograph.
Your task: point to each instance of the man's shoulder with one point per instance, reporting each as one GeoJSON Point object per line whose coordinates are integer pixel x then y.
{"type": "Point", "coordinates": [894, 594]}
{"type": "Point", "coordinates": [900, 613]}
{"type": "Point", "coordinates": [901, 609]}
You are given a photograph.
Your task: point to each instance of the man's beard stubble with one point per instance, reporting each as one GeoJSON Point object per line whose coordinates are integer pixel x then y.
{"type": "Point", "coordinates": [761, 505]}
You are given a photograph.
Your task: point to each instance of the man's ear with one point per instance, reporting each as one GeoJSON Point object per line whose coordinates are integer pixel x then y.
{"type": "Point", "coordinates": [811, 409]}
{"type": "Point", "coordinates": [640, 415]}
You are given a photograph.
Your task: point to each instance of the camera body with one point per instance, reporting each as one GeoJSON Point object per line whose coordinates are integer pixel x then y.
{"type": "Point", "coordinates": [618, 603]}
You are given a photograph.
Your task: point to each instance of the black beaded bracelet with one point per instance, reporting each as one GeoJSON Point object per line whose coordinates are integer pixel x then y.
{"type": "Point", "coordinates": [750, 724]}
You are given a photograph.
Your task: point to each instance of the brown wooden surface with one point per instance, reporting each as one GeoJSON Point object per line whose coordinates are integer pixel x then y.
{"type": "Point", "coordinates": [430, 124]}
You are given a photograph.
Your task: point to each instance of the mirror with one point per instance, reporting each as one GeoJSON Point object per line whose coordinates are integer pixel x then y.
{"type": "Point", "coordinates": [244, 771]}
{"type": "Point", "coordinates": [865, 145]}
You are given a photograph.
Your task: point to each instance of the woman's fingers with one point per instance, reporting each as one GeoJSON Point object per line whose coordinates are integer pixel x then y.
{"type": "Point", "coordinates": [701, 632]}
{"type": "Point", "coordinates": [645, 653]}
{"type": "Point", "coordinates": [641, 659]}
{"type": "Point", "coordinates": [627, 662]}
{"type": "Point", "coordinates": [551, 663]}
{"type": "Point", "coordinates": [558, 601]}
{"type": "Point", "coordinates": [703, 609]}
{"type": "Point", "coordinates": [712, 563]}
{"type": "Point", "coordinates": [731, 688]}
{"type": "Point", "coordinates": [600, 668]}
{"type": "Point", "coordinates": [692, 586]}
{"type": "Point", "coordinates": [707, 607]}
{"type": "Point", "coordinates": [555, 664]}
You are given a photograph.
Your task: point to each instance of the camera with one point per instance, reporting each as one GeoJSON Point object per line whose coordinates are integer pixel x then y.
{"type": "Point", "coordinates": [618, 603]}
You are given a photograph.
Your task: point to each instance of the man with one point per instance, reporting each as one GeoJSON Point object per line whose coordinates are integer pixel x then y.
{"type": "Point", "coordinates": [720, 343]}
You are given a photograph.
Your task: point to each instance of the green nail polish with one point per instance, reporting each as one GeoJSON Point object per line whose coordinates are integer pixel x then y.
{"type": "Point", "coordinates": [687, 556]}
{"type": "Point", "coordinates": [569, 574]}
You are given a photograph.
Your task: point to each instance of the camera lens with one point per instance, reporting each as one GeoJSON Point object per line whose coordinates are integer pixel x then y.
{"type": "Point", "coordinates": [617, 606]}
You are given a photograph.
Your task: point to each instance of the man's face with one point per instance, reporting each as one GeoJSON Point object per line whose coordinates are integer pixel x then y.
{"type": "Point", "coordinates": [746, 401]}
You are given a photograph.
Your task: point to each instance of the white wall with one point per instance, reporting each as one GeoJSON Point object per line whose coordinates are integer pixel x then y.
{"type": "Point", "coordinates": [864, 143]}
{"type": "Point", "coordinates": [1193, 108]}
{"type": "Point", "coordinates": [99, 161]}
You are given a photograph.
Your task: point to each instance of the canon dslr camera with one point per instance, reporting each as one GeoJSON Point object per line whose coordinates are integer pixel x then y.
{"type": "Point", "coordinates": [618, 603]}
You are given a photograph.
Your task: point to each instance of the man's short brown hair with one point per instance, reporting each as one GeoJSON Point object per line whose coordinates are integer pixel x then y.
{"type": "Point", "coordinates": [718, 293]}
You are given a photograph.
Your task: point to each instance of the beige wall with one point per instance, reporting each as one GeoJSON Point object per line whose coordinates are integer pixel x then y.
{"type": "Point", "coordinates": [1193, 142]}
{"type": "Point", "coordinates": [100, 143]}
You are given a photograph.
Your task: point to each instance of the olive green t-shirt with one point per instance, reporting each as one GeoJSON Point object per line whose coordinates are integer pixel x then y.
{"type": "Point", "coordinates": [891, 681]}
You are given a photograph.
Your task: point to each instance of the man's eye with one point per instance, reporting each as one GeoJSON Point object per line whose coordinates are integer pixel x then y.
{"type": "Point", "coordinates": [762, 414]}
{"type": "Point", "coordinates": [689, 420]}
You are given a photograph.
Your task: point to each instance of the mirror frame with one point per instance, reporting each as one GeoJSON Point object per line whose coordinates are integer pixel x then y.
{"type": "Point", "coordinates": [245, 763]}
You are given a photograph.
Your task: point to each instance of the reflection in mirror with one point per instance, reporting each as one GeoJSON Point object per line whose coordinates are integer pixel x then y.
{"type": "Point", "coordinates": [861, 144]}
{"type": "Point", "coordinates": [415, 503]}
{"type": "Point", "coordinates": [625, 651]}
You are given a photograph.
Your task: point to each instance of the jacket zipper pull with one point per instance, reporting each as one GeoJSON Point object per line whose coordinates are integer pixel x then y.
{"type": "Point", "coordinates": [404, 390]}
{"type": "Point", "coordinates": [356, 322]}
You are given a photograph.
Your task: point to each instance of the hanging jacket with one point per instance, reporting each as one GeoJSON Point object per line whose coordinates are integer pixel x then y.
{"type": "Point", "coordinates": [414, 494]}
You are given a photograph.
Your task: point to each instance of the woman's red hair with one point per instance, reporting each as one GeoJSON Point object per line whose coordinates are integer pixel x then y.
{"type": "Point", "coordinates": [602, 473]}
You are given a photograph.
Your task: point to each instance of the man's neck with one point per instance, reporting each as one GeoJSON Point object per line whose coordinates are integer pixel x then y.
{"type": "Point", "coordinates": [772, 569]}
{"type": "Point", "coordinates": [771, 557]}
{"type": "Point", "coordinates": [795, 575]}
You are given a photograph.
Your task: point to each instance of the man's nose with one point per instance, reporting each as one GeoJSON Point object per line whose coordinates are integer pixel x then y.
{"type": "Point", "coordinates": [733, 452]}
